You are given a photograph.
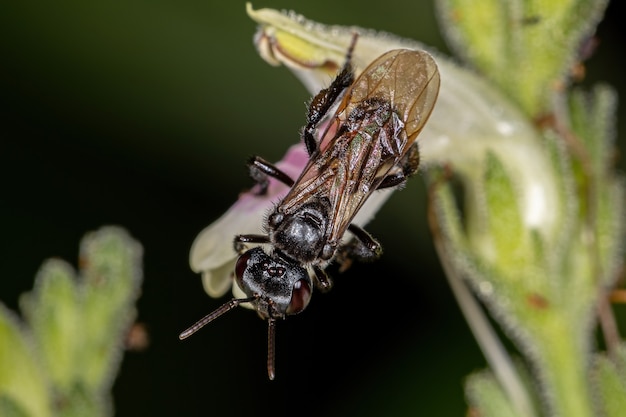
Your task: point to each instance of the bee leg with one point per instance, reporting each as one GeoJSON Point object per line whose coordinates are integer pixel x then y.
{"type": "Point", "coordinates": [241, 240]}
{"type": "Point", "coordinates": [260, 170]}
{"type": "Point", "coordinates": [324, 100]}
{"type": "Point", "coordinates": [407, 165]}
{"type": "Point", "coordinates": [323, 281]}
{"type": "Point", "coordinates": [363, 247]}
{"type": "Point", "coordinates": [322, 103]}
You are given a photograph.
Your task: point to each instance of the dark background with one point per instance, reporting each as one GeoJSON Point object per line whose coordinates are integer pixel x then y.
{"type": "Point", "coordinates": [141, 114]}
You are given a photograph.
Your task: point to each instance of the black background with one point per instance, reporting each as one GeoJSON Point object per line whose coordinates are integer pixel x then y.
{"type": "Point", "coordinates": [142, 114]}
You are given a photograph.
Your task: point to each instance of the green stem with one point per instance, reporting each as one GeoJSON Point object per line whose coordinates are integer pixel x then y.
{"type": "Point", "coordinates": [564, 369]}
{"type": "Point", "coordinates": [496, 355]}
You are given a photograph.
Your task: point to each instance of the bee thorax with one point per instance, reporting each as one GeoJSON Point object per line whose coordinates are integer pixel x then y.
{"type": "Point", "coordinates": [301, 235]}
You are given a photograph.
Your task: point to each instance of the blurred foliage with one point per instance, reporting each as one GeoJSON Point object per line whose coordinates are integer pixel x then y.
{"type": "Point", "coordinates": [63, 360]}
{"type": "Point", "coordinates": [526, 47]}
{"type": "Point", "coordinates": [546, 285]}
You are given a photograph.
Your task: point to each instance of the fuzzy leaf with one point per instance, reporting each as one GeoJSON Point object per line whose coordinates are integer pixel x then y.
{"type": "Point", "coordinates": [79, 322]}
{"type": "Point", "coordinates": [110, 262]}
{"type": "Point", "coordinates": [10, 408]}
{"type": "Point", "coordinates": [486, 397]}
{"type": "Point", "coordinates": [592, 118]}
{"type": "Point", "coordinates": [611, 383]}
{"type": "Point", "coordinates": [526, 46]}
{"type": "Point", "coordinates": [53, 314]}
{"type": "Point", "coordinates": [23, 390]}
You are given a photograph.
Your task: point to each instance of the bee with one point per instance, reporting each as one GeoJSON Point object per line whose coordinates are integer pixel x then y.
{"type": "Point", "coordinates": [360, 135]}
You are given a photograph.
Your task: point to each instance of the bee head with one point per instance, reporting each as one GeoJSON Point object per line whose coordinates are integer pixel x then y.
{"type": "Point", "coordinates": [281, 286]}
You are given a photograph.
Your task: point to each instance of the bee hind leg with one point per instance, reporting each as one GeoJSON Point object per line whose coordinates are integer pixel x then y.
{"type": "Point", "coordinates": [406, 167]}
{"type": "Point", "coordinates": [261, 170]}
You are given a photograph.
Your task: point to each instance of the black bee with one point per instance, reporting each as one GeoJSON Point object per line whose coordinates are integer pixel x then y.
{"type": "Point", "coordinates": [361, 137]}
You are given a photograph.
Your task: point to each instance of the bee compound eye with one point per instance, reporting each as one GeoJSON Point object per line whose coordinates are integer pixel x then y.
{"type": "Point", "coordinates": [300, 297]}
{"type": "Point", "coordinates": [241, 265]}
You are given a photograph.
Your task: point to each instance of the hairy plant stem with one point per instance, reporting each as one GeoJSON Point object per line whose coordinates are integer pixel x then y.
{"type": "Point", "coordinates": [562, 368]}
{"type": "Point", "coordinates": [496, 355]}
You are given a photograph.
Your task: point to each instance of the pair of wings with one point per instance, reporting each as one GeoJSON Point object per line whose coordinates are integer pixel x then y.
{"type": "Point", "coordinates": [354, 156]}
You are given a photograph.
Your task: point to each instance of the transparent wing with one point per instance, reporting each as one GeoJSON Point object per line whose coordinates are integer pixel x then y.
{"type": "Point", "coordinates": [357, 154]}
{"type": "Point", "coordinates": [409, 79]}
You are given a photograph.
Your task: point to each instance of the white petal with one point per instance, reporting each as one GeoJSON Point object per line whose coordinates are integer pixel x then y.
{"type": "Point", "coordinates": [214, 245]}
{"type": "Point", "coordinates": [216, 282]}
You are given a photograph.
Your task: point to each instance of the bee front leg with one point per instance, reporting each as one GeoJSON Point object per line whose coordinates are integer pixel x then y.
{"type": "Point", "coordinates": [324, 100]}
{"type": "Point", "coordinates": [261, 170]}
{"type": "Point", "coordinates": [407, 165]}
{"type": "Point", "coordinates": [240, 241]}
{"type": "Point", "coordinates": [323, 281]}
{"type": "Point", "coordinates": [322, 103]}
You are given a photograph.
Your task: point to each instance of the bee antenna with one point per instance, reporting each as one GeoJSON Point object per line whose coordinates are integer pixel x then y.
{"type": "Point", "coordinates": [225, 308]}
{"type": "Point", "coordinates": [271, 353]}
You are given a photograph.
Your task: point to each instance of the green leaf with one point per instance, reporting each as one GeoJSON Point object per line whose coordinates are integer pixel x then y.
{"type": "Point", "coordinates": [54, 316]}
{"type": "Point", "coordinates": [486, 397]}
{"type": "Point", "coordinates": [79, 321]}
{"type": "Point", "coordinates": [504, 220]}
{"type": "Point", "coordinates": [526, 46]}
{"type": "Point", "coordinates": [111, 271]}
{"type": "Point", "coordinates": [592, 120]}
{"type": "Point", "coordinates": [10, 408]}
{"type": "Point", "coordinates": [610, 376]}
{"type": "Point", "coordinates": [23, 389]}
{"type": "Point", "coordinates": [80, 401]}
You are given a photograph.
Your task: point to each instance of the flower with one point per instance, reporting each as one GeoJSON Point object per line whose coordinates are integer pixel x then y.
{"type": "Point", "coordinates": [471, 118]}
{"type": "Point", "coordinates": [212, 252]}
{"type": "Point", "coordinates": [470, 121]}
